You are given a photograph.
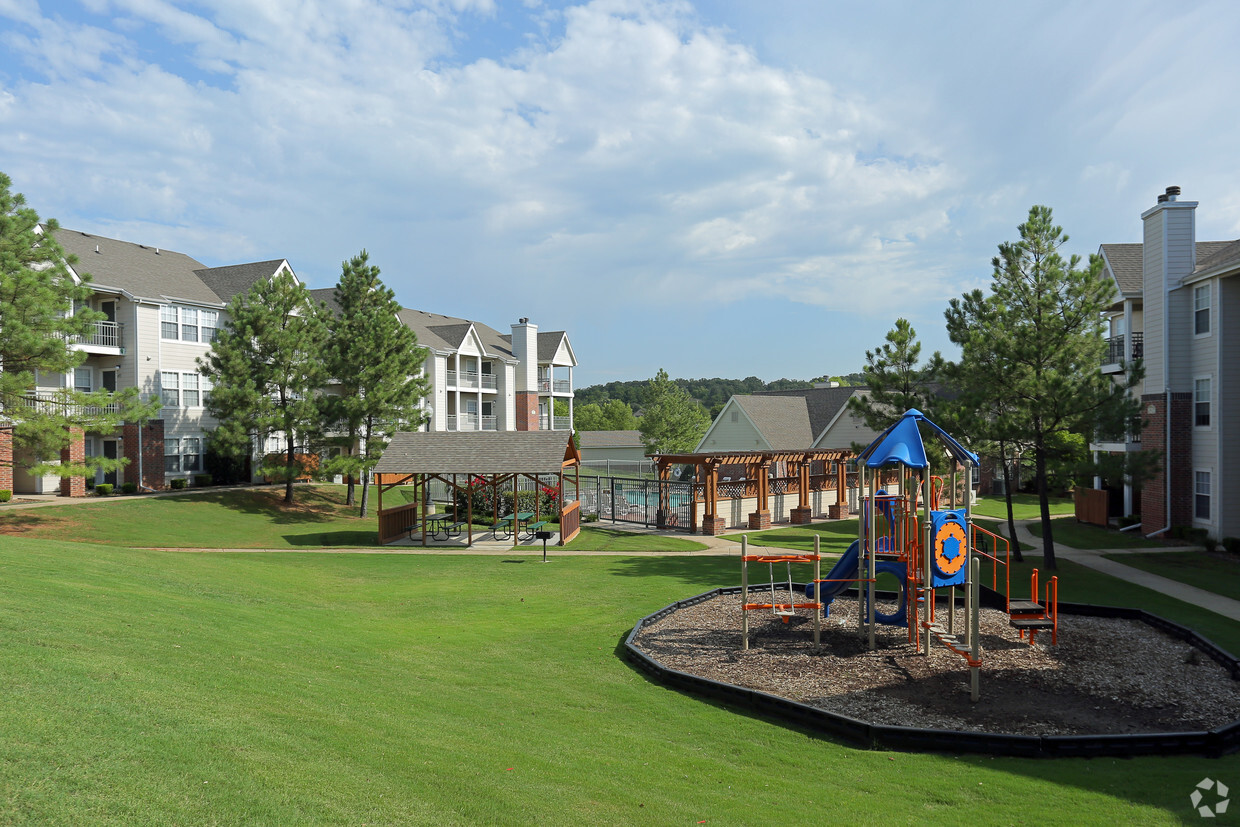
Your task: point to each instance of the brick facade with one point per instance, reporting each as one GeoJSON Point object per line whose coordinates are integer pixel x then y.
{"type": "Point", "coordinates": [74, 454]}
{"type": "Point", "coordinates": [759, 520]}
{"type": "Point", "coordinates": [1176, 460]}
{"type": "Point", "coordinates": [713, 526]}
{"type": "Point", "coordinates": [6, 458]}
{"type": "Point", "coordinates": [527, 411]}
{"type": "Point", "coordinates": [152, 441]}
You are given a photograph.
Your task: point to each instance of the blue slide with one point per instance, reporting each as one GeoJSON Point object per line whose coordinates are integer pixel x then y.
{"type": "Point", "coordinates": [844, 574]}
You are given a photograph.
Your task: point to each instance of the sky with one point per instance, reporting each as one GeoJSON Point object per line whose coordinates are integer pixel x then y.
{"type": "Point", "coordinates": [723, 188]}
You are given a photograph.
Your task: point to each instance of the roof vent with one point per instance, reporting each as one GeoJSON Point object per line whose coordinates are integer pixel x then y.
{"type": "Point", "coordinates": [523, 320]}
{"type": "Point", "coordinates": [96, 248]}
{"type": "Point", "coordinates": [1162, 199]}
{"type": "Point", "coordinates": [1173, 191]}
{"type": "Point", "coordinates": [156, 251]}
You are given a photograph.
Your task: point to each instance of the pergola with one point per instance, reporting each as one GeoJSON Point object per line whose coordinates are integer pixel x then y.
{"type": "Point", "coordinates": [464, 459]}
{"type": "Point", "coordinates": [758, 464]}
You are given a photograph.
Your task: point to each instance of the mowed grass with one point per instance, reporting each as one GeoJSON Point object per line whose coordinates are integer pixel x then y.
{"type": "Point", "coordinates": [836, 537]}
{"type": "Point", "coordinates": [1079, 535]}
{"type": "Point", "coordinates": [1024, 507]}
{"type": "Point", "coordinates": [257, 518]}
{"type": "Point", "coordinates": [1218, 573]}
{"type": "Point", "coordinates": [155, 687]}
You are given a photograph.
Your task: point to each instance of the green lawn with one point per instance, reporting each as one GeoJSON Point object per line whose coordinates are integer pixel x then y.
{"type": "Point", "coordinates": [149, 687]}
{"type": "Point", "coordinates": [1214, 573]}
{"type": "Point", "coordinates": [1079, 535]}
{"type": "Point", "coordinates": [1024, 506]}
{"type": "Point", "coordinates": [836, 536]}
{"type": "Point", "coordinates": [235, 518]}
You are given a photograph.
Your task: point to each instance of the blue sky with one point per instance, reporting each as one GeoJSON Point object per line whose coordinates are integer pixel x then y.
{"type": "Point", "coordinates": [717, 188]}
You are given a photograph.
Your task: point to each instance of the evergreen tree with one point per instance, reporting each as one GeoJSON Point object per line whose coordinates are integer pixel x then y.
{"type": "Point", "coordinates": [376, 366]}
{"type": "Point", "coordinates": [266, 367]}
{"type": "Point", "coordinates": [1043, 327]}
{"type": "Point", "coordinates": [896, 380]}
{"type": "Point", "coordinates": [671, 422]}
{"type": "Point", "coordinates": [39, 320]}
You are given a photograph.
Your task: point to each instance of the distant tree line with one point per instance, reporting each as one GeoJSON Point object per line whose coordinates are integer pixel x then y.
{"type": "Point", "coordinates": [710, 394]}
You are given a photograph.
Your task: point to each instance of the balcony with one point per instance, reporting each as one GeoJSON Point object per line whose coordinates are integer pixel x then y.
{"type": "Point", "coordinates": [1113, 361]}
{"type": "Point", "coordinates": [1119, 443]}
{"type": "Point", "coordinates": [489, 423]}
{"type": "Point", "coordinates": [558, 386]}
{"type": "Point", "coordinates": [558, 423]}
{"type": "Point", "coordinates": [108, 338]}
{"type": "Point", "coordinates": [470, 380]}
{"type": "Point", "coordinates": [54, 402]}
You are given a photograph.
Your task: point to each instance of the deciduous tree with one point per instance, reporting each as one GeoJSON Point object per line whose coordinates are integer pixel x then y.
{"type": "Point", "coordinates": [671, 422]}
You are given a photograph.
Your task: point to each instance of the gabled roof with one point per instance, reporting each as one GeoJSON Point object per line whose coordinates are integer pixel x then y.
{"type": "Point", "coordinates": [1126, 265]}
{"type": "Point", "coordinates": [446, 333]}
{"type": "Point", "coordinates": [477, 452]}
{"type": "Point", "coordinates": [782, 421]}
{"type": "Point", "coordinates": [549, 345]}
{"type": "Point", "coordinates": [142, 272]}
{"type": "Point", "coordinates": [327, 295]}
{"type": "Point", "coordinates": [227, 282]}
{"type": "Point", "coordinates": [610, 439]}
{"type": "Point", "coordinates": [1219, 254]}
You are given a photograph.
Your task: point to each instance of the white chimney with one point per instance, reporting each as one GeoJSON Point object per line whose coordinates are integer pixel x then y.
{"type": "Point", "coordinates": [525, 349]}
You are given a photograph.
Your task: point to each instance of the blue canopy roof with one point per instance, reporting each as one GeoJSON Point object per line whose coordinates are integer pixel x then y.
{"type": "Point", "coordinates": [902, 443]}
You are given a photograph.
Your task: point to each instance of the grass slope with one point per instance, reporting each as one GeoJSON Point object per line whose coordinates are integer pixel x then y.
{"type": "Point", "coordinates": [1212, 572]}
{"type": "Point", "coordinates": [1024, 507]}
{"type": "Point", "coordinates": [146, 687]}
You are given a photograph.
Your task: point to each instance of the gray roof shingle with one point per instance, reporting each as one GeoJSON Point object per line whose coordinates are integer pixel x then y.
{"type": "Point", "coordinates": [1212, 254]}
{"type": "Point", "coordinates": [783, 421]}
{"type": "Point", "coordinates": [446, 332]}
{"type": "Point", "coordinates": [475, 452]}
{"type": "Point", "coordinates": [227, 282]}
{"type": "Point", "coordinates": [611, 439]}
{"type": "Point", "coordinates": [145, 272]}
{"type": "Point", "coordinates": [1126, 266]}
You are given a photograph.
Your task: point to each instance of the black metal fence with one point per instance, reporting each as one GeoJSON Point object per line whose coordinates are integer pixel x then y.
{"type": "Point", "coordinates": [654, 503]}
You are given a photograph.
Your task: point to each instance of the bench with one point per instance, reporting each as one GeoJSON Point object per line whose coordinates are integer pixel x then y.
{"type": "Point", "coordinates": [453, 529]}
{"type": "Point", "coordinates": [532, 528]}
{"type": "Point", "coordinates": [504, 525]}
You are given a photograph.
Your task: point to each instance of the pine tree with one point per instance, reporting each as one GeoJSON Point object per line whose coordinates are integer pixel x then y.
{"type": "Point", "coordinates": [376, 365]}
{"type": "Point", "coordinates": [266, 367]}
{"type": "Point", "coordinates": [671, 422]}
{"type": "Point", "coordinates": [39, 319]}
{"type": "Point", "coordinates": [1042, 333]}
{"type": "Point", "coordinates": [896, 380]}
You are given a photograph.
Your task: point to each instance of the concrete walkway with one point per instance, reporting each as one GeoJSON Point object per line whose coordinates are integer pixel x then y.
{"type": "Point", "coordinates": [1094, 559]}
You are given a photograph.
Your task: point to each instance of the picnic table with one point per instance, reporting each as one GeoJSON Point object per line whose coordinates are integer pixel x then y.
{"type": "Point", "coordinates": [510, 524]}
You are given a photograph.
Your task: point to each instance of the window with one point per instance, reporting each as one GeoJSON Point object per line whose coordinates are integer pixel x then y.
{"type": "Point", "coordinates": [82, 379]}
{"type": "Point", "coordinates": [1201, 403]}
{"type": "Point", "coordinates": [189, 390]}
{"type": "Point", "coordinates": [191, 455]}
{"type": "Point", "coordinates": [172, 455]}
{"type": "Point", "coordinates": [169, 386]}
{"type": "Point", "coordinates": [1201, 498]}
{"type": "Point", "coordinates": [209, 320]}
{"type": "Point", "coordinates": [189, 324]}
{"type": "Point", "coordinates": [168, 322]}
{"type": "Point", "coordinates": [1201, 310]}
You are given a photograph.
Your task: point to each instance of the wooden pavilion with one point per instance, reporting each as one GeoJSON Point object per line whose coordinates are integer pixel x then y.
{"type": "Point", "coordinates": [799, 479]}
{"type": "Point", "coordinates": [466, 459]}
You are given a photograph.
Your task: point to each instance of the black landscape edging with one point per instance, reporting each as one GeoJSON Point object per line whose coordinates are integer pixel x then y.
{"type": "Point", "coordinates": [1219, 741]}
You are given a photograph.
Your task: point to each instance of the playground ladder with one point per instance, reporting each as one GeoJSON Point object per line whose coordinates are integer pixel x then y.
{"type": "Point", "coordinates": [1032, 616]}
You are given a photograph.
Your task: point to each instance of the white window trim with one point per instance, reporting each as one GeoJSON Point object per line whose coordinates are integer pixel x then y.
{"type": "Point", "coordinates": [203, 387]}
{"type": "Point", "coordinates": [199, 312]}
{"type": "Point", "coordinates": [1213, 500]}
{"type": "Point", "coordinates": [1208, 378]}
{"type": "Point", "coordinates": [1209, 308]}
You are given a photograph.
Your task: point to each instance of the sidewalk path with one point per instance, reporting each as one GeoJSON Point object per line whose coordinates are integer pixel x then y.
{"type": "Point", "coordinates": [1095, 560]}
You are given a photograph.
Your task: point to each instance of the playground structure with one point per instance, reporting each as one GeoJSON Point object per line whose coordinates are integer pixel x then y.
{"type": "Point", "coordinates": [926, 547]}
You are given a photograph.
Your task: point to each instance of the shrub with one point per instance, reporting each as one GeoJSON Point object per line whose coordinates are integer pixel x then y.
{"type": "Point", "coordinates": [202, 480]}
{"type": "Point", "coordinates": [104, 489]}
{"type": "Point", "coordinates": [223, 466]}
{"type": "Point", "coordinates": [305, 467]}
{"type": "Point", "coordinates": [589, 518]}
{"type": "Point", "coordinates": [5, 495]}
{"type": "Point", "coordinates": [1210, 543]}
{"type": "Point", "coordinates": [130, 488]}
{"type": "Point", "coordinates": [178, 483]}
{"type": "Point", "coordinates": [1196, 536]}
{"type": "Point", "coordinates": [1231, 544]}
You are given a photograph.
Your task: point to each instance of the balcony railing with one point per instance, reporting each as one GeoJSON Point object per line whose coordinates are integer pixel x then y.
{"type": "Point", "coordinates": [1115, 349]}
{"type": "Point", "coordinates": [560, 423]}
{"type": "Point", "coordinates": [106, 334]}
{"type": "Point", "coordinates": [559, 386]}
{"type": "Point", "coordinates": [470, 380]}
{"type": "Point", "coordinates": [53, 402]}
{"type": "Point", "coordinates": [489, 423]}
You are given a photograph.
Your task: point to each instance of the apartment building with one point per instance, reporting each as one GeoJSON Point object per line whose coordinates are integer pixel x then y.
{"type": "Point", "coordinates": [1178, 311]}
{"type": "Point", "coordinates": [162, 311]}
